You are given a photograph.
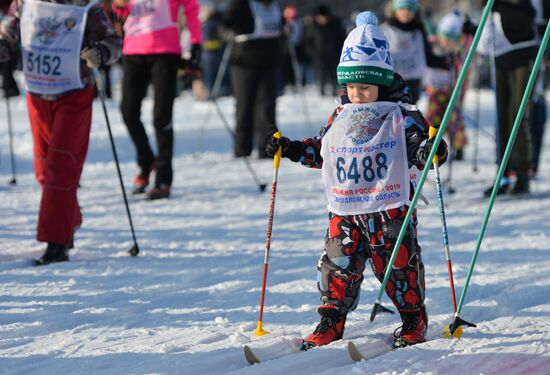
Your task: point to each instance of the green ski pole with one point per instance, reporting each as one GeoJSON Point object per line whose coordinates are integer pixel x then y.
{"type": "Point", "coordinates": [452, 101]}
{"type": "Point", "coordinates": [457, 322]}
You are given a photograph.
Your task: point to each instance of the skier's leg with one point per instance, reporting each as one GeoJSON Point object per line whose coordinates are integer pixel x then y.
{"type": "Point", "coordinates": [136, 78]}
{"type": "Point", "coordinates": [245, 86]}
{"type": "Point", "coordinates": [264, 113]}
{"type": "Point", "coordinates": [406, 284]}
{"type": "Point", "coordinates": [164, 71]}
{"type": "Point", "coordinates": [70, 131]}
{"type": "Point", "coordinates": [340, 273]}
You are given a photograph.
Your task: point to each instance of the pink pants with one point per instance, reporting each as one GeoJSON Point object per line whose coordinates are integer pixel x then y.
{"type": "Point", "coordinates": [61, 132]}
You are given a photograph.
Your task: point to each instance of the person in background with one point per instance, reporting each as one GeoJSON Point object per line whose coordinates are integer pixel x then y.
{"type": "Point", "coordinates": [9, 85]}
{"type": "Point", "coordinates": [387, 136]}
{"type": "Point", "coordinates": [510, 33]}
{"type": "Point", "coordinates": [439, 80]}
{"type": "Point", "coordinates": [410, 49]}
{"type": "Point", "coordinates": [294, 31]}
{"type": "Point", "coordinates": [213, 48]}
{"type": "Point", "coordinates": [60, 90]}
{"type": "Point", "coordinates": [255, 62]}
{"type": "Point", "coordinates": [323, 40]}
{"type": "Point", "coordinates": [152, 55]}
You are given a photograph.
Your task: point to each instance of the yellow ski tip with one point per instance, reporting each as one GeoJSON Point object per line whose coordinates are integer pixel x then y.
{"type": "Point", "coordinates": [456, 334]}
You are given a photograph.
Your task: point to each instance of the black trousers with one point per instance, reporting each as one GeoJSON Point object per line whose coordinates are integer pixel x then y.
{"type": "Point", "coordinates": [139, 72]}
{"type": "Point", "coordinates": [255, 90]}
{"type": "Point", "coordinates": [511, 84]}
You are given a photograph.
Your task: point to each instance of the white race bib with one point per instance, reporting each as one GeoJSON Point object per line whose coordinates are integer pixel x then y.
{"type": "Point", "coordinates": [437, 78]}
{"type": "Point", "coordinates": [147, 16]}
{"type": "Point", "coordinates": [364, 154]}
{"type": "Point", "coordinates": [51, 40]}
{"type": "Point", "coordinates": [267, 21]}
{"type": "Point", "coordinates": [407, 52]}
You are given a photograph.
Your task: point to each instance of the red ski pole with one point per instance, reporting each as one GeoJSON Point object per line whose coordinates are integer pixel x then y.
{"type": "Point", "coordinates": [276, 161]}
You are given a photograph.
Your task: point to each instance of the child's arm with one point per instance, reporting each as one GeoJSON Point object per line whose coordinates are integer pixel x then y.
{"type": "Point", "coordinates": [418, 147]}
{"type": "Point", "coordinates": [306, 152]}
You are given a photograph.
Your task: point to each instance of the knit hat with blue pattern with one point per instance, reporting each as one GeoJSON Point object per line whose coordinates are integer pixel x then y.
{"type": "Point", "coordinates": [366, 54]}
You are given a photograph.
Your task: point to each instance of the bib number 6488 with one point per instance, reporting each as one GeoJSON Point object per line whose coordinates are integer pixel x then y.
{"type": "Point", "coordinates": [371, 169]}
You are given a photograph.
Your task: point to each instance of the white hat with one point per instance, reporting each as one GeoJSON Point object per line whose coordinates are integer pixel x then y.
{"type": "Point", "coordinates": [450, 26]}
{"type": "Point", "coordinates": [366, 54]}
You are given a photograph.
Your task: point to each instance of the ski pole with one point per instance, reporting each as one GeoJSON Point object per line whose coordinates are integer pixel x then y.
{"type": "Point", "coordinates": [298, 82]}
{"type": "Point", "coordinates": [134, 250]}
{"type": "Point", "coordinates": [13, 180]}
{"type": "Point", "coordinates": [215, 92]}
{"type": "Point", "coordinates": [476, 121]}
{"type": "Point", "coordinates": [276, 161]}
{"type": "Point", "coordinates": [457, 322]}
{"type": "Point", "coordinates": [257, 181]}
{"type": "Point", "coordinates": [452, 101]}
{"type": "Point", "coordinates": [439, 189]}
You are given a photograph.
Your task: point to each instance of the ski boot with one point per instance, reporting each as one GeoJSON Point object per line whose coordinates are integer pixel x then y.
{"type": "Point", "coordinates": [141, 181]}
{"type": "Point", "coordinates": [159, 192]}
{"type": "Point", "coordinates": [414, 328]}
{"type": "Point", "coordinates": [327, 331]}
{"type": "Point", "coordinates": [54, 253]}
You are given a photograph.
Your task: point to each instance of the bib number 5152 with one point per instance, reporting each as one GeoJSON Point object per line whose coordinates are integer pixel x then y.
{"type": "Point", "coordinates": [43, 64]}
{"type": "Point", "coordinates": [371, 169]}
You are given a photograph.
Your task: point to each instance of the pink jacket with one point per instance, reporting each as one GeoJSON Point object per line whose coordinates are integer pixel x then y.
{"type": "Point", "coordinates": [163, 40]}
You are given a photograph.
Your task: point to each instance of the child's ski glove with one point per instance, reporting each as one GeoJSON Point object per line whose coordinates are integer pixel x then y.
{"type": "Point", "coordinates": [424, 151]}
{"type": "Point", "coordinates": [290, 149]}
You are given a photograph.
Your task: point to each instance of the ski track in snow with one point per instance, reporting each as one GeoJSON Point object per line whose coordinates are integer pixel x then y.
{"type": "Point", "coordinates": [189, 302]}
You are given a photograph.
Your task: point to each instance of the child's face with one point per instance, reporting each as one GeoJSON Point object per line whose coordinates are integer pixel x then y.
{"type": "Point", "coordinates": [404, 15]}
{"type": "Point", "coordinates": [362, 93]}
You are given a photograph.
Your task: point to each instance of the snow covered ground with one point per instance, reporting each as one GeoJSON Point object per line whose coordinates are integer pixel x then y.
{"type": "Point", "coordinates": [189, 302]}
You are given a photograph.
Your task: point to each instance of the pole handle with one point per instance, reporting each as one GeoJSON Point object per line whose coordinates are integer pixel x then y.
{"type": "Point", "coordinates": [432, 133]}
{"type": "Point", "coordinates": [279, 153]}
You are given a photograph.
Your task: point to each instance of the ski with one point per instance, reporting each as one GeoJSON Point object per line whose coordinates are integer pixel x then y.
{"type": "Point", "coordinates": [357, 355]}
{"type": "Point", "coordinates": [378, 345]}
{"type": "Point", "coordinates": [274, 351]}
{"type": "Point", "coordinates": [250, 356]}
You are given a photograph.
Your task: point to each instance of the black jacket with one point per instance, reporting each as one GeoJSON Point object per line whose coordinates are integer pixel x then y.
{"type": "Point", "coordinates": [252, 53]}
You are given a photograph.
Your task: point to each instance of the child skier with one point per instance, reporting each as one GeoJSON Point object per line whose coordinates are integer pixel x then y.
{"type": "Point", "coordinates": [61, 41]}
{"type": "Point", "coordinates": [439, 79]}
{"type": "Point", "coordinates": [365, 152]}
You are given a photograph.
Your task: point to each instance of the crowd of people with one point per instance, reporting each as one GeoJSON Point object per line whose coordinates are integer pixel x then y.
{"type": "Point", "coordinates": [379, 70]}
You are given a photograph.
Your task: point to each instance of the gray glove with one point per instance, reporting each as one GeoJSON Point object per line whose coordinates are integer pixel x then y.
{"type": "Point", "coordinates": [93, 56]}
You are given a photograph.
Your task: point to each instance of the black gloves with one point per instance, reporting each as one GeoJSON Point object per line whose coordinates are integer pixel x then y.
{"type": "Point", "coordinates": [292, 150]}
{"type": "Point", "coordinates": [424, 151]}
{"type": "Point", "coordinates": [195, 60]}
{"type": "Point", "coordinates": [273, 145]}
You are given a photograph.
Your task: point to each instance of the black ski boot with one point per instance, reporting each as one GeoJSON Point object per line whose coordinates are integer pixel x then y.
{"type": "Point", "coordinates": [503, 188]}
{"type": "Point", "coordinates": [522, 184]}
{"type": "Point", "coordinates": [54, 253]}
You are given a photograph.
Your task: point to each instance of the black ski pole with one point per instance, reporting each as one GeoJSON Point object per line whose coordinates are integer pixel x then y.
{"type": "Point", "coordinates": [260, 184]}
{"type": "Point", "coordinates": [134, 250]}
{"type": "Point", "coordinates": [13, 180]}
{"type": "Point", "coordinates": [213, 95]}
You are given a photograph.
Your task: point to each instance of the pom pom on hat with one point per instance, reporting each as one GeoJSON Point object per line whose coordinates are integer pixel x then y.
{"type": "Point", "coordinates": [366, 18]}
{"type": "Point", "coordinates": [450, 26]}
{"type": "Point", "coordinates": [365, 55]}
